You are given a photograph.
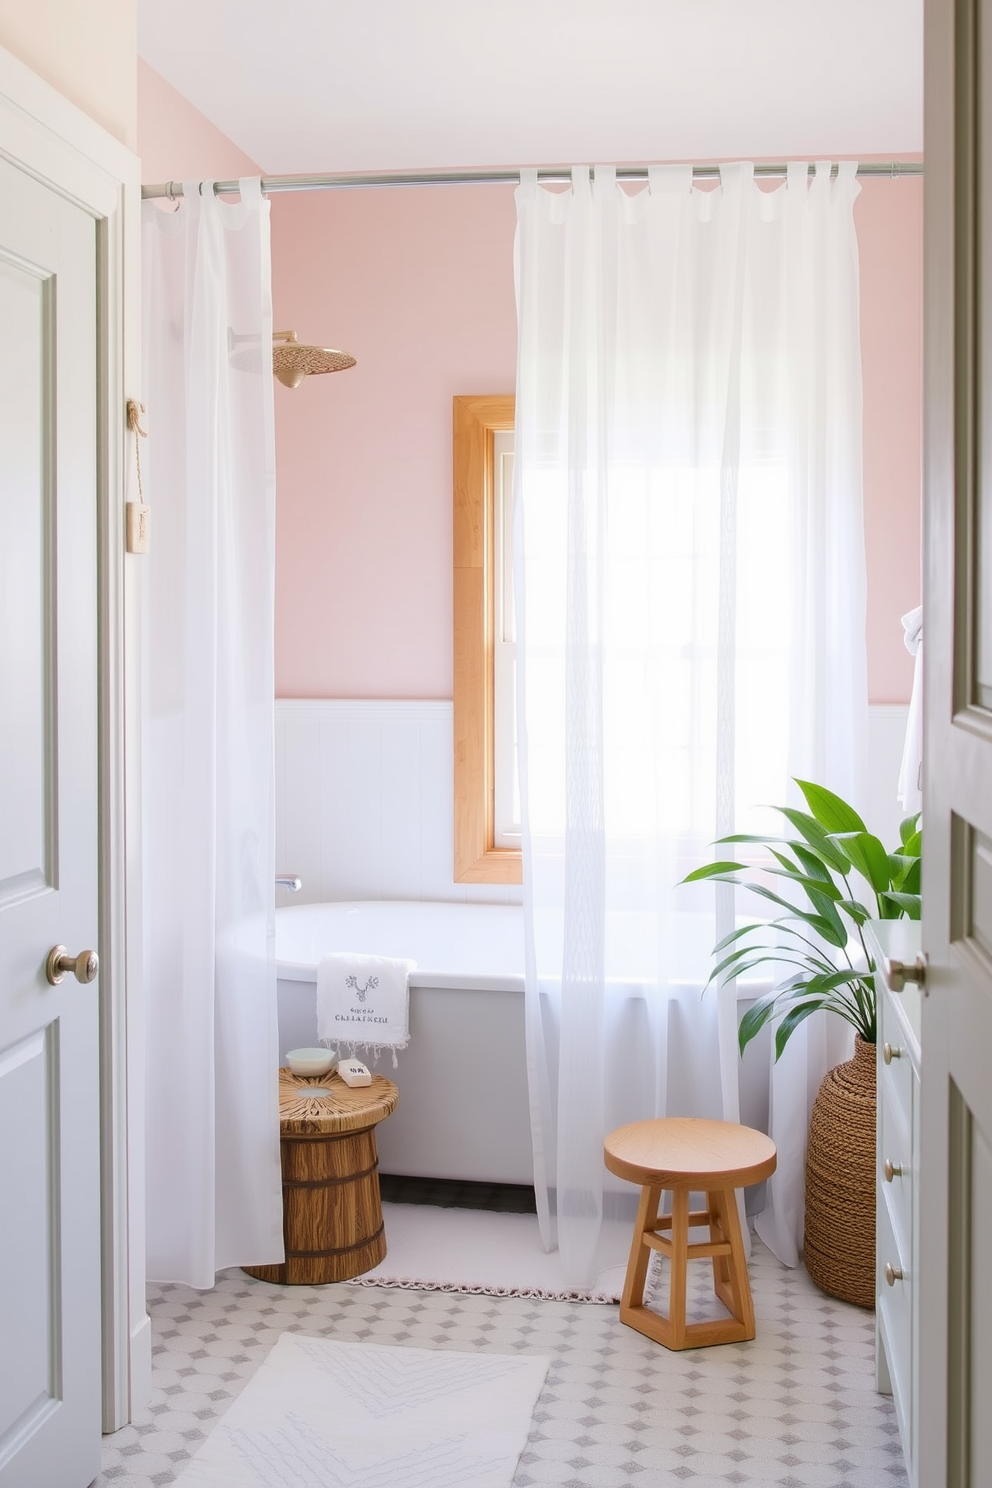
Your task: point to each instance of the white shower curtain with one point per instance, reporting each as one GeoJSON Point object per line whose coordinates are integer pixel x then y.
{"type": "Point", "coordinates": [690, 594]}
{"type": "Point", "coordinates": [213, 1175]}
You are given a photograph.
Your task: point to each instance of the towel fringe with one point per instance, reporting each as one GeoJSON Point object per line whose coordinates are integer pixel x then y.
{"type": "Point", "coordinates": [372, 1050]}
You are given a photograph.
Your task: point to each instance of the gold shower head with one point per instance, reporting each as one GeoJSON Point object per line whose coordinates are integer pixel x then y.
{"type": "Point", "coordinates": [291, 362]}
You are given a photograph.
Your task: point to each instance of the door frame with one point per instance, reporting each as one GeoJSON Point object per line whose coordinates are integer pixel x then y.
{"type": "Point", "coordinates": [48, 137]}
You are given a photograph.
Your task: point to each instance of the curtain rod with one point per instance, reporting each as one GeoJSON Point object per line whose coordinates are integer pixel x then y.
{"type": "Point", "coordinates": [273, 184]}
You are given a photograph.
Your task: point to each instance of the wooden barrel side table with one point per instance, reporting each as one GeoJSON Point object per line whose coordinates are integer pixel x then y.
{"type": "Point", "coordinates": [332, 1214]}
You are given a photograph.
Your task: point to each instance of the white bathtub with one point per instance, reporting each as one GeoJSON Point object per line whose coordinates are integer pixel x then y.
{"type": "Point", "coordinates": [463, 1109]}
{"type": "Point", "coordinates": [473, 946]}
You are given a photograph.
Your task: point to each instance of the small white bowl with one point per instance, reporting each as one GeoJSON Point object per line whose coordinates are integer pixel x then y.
{"type": "Point", "coordinates": [310, 1061]}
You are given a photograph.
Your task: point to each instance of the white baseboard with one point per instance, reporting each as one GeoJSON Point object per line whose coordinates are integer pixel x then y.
{"type": "Point", "coordinates": [140, 1374]}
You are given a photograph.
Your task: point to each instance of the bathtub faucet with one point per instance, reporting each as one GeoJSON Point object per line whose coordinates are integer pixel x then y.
{"type": "Point", "coordinates": [291, 881]}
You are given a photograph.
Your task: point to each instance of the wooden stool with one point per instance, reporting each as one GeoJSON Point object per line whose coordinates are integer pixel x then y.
{"type": "Point", "coordinates": [684, 1155]}
{"type": "Point", "coordinates": [332, 1216]}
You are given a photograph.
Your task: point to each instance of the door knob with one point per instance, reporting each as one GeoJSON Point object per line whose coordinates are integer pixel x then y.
{"type": "Point", "coordinates": [890, 1052]}
{"type": "Point", "coordinates": [891, 1170]}
{"type": "Point", "coordinates": [893, 1274]}
{"type": "Point", "coordinates": [897, 973]}
{"type": "Point", "coordinates": [84, 967]}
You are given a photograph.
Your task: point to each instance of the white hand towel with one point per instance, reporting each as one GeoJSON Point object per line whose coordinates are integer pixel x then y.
{"type": "Point", "coordinates": [363, 1001]}
{"type": "Point", "coordinates": [910, 773]}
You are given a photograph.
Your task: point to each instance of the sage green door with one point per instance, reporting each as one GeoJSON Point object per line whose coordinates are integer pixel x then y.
{"type": "Point", "coordinates": [954, 1347]}
{"type": "Point", "coordinates": [50, 1345]}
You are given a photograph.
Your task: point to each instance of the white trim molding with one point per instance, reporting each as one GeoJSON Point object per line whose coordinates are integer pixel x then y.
{"type": "Point", "coordinates": [378, 709]}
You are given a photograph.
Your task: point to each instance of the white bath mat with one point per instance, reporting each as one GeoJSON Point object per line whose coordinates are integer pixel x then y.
{"type": "Point", "coordinates": [324, 1414]}
{"type": "Point", "coordinates": [476, 1250]}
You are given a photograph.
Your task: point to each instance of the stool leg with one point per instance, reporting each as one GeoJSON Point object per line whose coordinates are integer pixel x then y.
{"type": "Point", "coordinates": [721, 1264]}
{"type": "Point", "coordinates": [640, 1254]}
{"type": "Point", "coordinates": [739, 1291]}
{"type": "Point", "coordinates": [680, 1243]}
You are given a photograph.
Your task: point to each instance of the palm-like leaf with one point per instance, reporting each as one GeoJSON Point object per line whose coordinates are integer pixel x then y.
{"type": "Point", "coordinates": [812, 941]}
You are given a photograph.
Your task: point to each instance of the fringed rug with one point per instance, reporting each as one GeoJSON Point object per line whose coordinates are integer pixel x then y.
{"type": "Point", "coordinates": [501, 1255]}
{"type": "Point", "coordinates": [325, 1414]}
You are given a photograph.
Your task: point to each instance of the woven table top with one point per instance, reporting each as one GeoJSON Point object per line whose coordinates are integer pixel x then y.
{"type": "Point", "coordinates": [343, 1108]}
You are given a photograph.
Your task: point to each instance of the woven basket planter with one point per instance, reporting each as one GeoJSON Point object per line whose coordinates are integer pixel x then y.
{"type": "Point", "coordinates": [839, 1247]}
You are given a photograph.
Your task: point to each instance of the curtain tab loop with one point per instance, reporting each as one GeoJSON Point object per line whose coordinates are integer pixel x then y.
{"type": "Point", "coordinates": [676, 179]}
{"type": "Point", "coordinates": [191, 195]}
{"type": "Point", "coordinates": [847, 177]}
{"type": "Point", "coordinates": [736, 175]}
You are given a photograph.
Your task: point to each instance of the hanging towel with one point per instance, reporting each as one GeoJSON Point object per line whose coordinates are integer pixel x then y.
{"type": "Point", "coordinates": [910, 791]}
{"type": "Point", "coordinates": [363, 1001]}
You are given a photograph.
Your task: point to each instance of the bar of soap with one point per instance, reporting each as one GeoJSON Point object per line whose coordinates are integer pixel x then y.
{"type": "Point", "coordinates": [353, 1072]}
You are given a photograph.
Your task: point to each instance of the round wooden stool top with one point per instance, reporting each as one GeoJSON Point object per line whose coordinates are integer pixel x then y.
{"type": "Point", "coordinates": [689, 1152]}
{"type": "Point", "coordinates": [343, 1108]}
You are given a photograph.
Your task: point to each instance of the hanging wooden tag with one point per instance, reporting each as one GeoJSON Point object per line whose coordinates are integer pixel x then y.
{"type": "Point", "coordinates": [138, 523]}
{"type": "Point", "coordinates": [137, 513]}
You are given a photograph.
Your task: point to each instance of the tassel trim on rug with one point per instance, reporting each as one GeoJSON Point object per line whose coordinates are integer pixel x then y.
{"type": "Point", "coordinates": [543, 1294]}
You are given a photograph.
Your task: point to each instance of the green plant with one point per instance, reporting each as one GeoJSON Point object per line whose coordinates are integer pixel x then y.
{"type": "Point", "coordinates": [817, 935]}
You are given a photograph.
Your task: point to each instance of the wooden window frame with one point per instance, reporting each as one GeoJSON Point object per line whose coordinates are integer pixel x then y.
{"type": "Point", "coordinates": [477, 859]}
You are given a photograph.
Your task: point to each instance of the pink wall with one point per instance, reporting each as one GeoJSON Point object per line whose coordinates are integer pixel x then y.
{"type": "Point", "coordinates": [418, 285]}
{"type": "Point", "coordinates": [85, 51]}
{"type": "Point", "coordinates": [889, 216]}
{"type": "Point", "coordinates": [176, 141]}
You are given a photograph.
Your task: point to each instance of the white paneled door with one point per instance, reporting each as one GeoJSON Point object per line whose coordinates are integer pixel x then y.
{"type": "Point", "coordinates": [954, 1343]}
{"type": "Point", "coordinates": [50, 1348]}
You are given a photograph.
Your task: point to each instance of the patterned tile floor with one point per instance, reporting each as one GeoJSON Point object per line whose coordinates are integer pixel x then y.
{"type": "Point", "coordinates": [796, 1407]}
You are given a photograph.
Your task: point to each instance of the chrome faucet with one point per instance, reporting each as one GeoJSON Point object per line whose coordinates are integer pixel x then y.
{"type": "Point", "coordinates": [291, 881]}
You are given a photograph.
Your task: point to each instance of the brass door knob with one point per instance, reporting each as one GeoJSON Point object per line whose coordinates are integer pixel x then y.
{"type": "Point", "coordinates": [890, 1052]}
{"type": "Point", "coordinates": [897, 973]}
{"type": "Point", "coordinates": [892, 1274]}
{"type": "Point", "coordinates": [891, 1170]}
{"type": "Point", "coordinates": [84, 967]}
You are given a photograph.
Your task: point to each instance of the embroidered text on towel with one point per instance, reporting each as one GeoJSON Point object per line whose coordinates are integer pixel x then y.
{"type": "Point", "coordinates": [363, 1001]}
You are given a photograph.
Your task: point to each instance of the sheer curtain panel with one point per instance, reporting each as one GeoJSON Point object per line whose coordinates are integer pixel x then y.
{"type": "Point", "coordinates": [690, 609]}
{"type": "Point", "coordinates": [213, 1176]}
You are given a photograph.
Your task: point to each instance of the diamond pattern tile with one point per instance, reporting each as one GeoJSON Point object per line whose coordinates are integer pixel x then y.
{"type": "Point", "coordinates": [795, 1408]}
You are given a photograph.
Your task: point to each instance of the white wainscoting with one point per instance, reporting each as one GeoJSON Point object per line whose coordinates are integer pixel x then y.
{"type": "Point", "coordinates": [364, 798]}
{"type": "Point", "coordinates": [364, 802]}
{"type": "Point", "coordinates": [886, 736]}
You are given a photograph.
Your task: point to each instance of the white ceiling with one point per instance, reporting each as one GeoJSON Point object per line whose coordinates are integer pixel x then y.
{"type": "Point", "coordinates": [341, 85]}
